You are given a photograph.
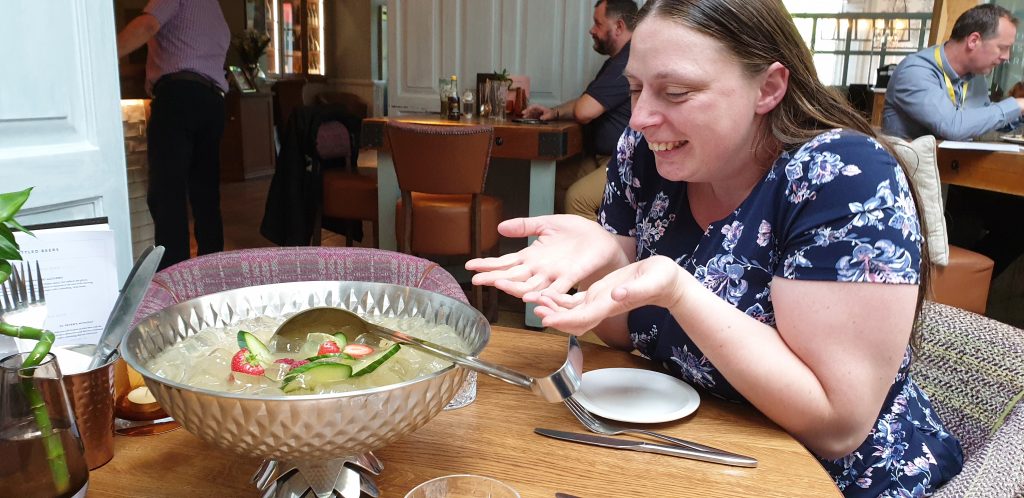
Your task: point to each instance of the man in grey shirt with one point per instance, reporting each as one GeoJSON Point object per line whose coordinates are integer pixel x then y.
{"type": "Point", "coordinates": [938, 91]}
{"type": "Point", "coordinates": [941, 91]}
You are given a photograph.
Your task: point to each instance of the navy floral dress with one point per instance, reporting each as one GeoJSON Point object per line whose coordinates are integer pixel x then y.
{"type": "Point", "coordinates": [838, 208]}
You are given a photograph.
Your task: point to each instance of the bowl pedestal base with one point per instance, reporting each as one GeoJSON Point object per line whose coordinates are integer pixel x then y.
{"type": "Point", "coordinates": [338, 478]}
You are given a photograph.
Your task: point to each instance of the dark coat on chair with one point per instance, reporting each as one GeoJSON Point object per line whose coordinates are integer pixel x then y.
{"type": "Point", "coordinates": [291, 201]}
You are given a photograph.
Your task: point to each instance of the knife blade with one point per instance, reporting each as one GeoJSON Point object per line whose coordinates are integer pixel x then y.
{"type": "Point", "coordinates": [662, 449]}
{"type": "Point", "coordinates": [128, 301]}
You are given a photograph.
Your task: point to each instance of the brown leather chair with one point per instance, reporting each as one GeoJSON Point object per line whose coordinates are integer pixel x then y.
{"type": "Point", "coordinates": [959, 277]}
{"type": "Point", "coordinates": [346, 197]}
{"type": "Point", "coordinates": [441, 172]}
{"type": "Point", "coordinates": [964, 282]}
{"type": "Point", "coordinates": [350, 102]}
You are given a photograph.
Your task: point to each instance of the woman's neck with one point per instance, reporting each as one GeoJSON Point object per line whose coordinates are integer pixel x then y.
{"type": "Point", "coordinates": [713, 201]}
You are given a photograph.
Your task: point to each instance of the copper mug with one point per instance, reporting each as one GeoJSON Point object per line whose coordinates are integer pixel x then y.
{"type": "Point", "coordinates": [92, 398]}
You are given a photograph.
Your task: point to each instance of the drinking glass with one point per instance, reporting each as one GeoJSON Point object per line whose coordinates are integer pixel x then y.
{"type": "Point", "coordinates": [44, 456]}
{"type": "Point", "coordinates": [444, 89]}
{"type": "Point", "coordinates": [498, 92]}
{"type": "Point", "coordinates": [462, 486]}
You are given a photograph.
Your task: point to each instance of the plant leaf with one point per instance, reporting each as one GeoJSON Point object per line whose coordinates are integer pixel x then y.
{"type": "Point", "coordinates": [8, 246]}
{"type": "Point", "coordinates": [11, 202]}
{"type": "Point", "coordinates": [5, 271]}
{"type": "Point", "coordinates": [17, 225]}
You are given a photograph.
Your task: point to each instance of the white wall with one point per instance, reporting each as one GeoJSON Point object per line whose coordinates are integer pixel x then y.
{"type": "Point", "coordinates": [433, 39]}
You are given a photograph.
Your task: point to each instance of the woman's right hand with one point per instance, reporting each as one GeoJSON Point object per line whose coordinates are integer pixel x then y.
{"type": "Point", "coordinates": [568, 250]}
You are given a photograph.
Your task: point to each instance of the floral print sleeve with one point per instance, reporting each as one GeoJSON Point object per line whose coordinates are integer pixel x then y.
{"type": "Point", "coordinates": [619, 207]}
{"type": "Point", "coordinates": [837, 208]}
{"type": "Point", "coordinates": [849, 215]}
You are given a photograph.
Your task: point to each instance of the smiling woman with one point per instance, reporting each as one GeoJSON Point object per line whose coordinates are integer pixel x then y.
{"type": "Point", "coordinates": [758, 239]}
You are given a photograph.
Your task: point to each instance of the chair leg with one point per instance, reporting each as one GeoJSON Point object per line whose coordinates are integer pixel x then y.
{"type": "Point", "coordinates": [349, 233]}
{"type": "Point", "coordinates": [315, 240]}
{"type": "Point", "coordinates": [478, 299]}
{"type": "Point", "coordinates": [492, 305]}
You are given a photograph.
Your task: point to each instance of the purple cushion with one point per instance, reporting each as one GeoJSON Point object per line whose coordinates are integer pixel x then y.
{"type": "Point", "coordinates": [233, 269]}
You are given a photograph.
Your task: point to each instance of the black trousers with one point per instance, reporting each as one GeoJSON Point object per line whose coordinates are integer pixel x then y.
{"type": "Point", "coordinates": [185, 127]}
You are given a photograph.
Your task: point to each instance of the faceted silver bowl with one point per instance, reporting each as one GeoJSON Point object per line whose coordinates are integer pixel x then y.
{"type": "Point", "coordinates": [303, 427]}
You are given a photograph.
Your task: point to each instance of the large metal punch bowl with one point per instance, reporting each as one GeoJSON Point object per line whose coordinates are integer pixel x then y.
{"type": "Point", "coordinates": [303, 427]}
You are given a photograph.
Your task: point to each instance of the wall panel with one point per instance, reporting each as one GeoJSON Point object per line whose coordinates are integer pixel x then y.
{"type": "Point", "coordinates": [544, 39]}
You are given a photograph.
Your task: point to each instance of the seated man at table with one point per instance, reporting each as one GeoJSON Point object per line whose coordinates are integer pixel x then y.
{"type": "Point", "coordinates": [603, 110]}
{"type": "Point", "coordinates": [941, 91]}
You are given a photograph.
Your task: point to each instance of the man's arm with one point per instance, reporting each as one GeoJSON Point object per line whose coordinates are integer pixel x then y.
{"type": "Point", "coordinates": [586, 109]}
{"type": "Point", "coordinates": [136, 34]}
{"type": "Point", "coordinates": [916, 95]}
{"type": "Point", "coordinates": [565, 110]}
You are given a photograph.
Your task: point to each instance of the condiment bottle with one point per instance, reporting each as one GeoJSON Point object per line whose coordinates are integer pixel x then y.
{"type": "Point", "coordinates": [467, 104]}
{"type": "Point", "coordinates": [453, 99]}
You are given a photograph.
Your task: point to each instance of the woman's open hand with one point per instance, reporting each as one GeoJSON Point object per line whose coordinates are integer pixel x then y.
{"type": "Point", "coordinates": [568, 249]}
{"type": "Point", "coordinates": [655, 281]}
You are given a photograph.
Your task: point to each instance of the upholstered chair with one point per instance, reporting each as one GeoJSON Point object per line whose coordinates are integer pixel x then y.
{"type": "Point", "coordinates": [234, 269]}
{"type": "Point", "coordinates": [959, 277]}
{"type": "Point", "coordinates": [972, 368]}
{"type": "Point", "coordinates": [443, 211]}
{"type": "Point", "coordinates": [346, 196]}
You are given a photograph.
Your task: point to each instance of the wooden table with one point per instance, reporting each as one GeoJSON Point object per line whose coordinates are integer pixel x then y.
{"type": "Point", "coordinates": [494, 437]}
{"type": "Point", "coordinates": [997, 171]}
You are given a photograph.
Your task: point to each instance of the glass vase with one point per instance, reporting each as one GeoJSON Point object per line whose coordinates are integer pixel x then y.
{"type": "Point", "coordinates": [497, 91]}
{"type": "Point", "coordinates": [42, 448]}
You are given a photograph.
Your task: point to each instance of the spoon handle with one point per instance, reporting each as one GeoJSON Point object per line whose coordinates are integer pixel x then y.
{"type": "Point", "coordinates": [470, 362]}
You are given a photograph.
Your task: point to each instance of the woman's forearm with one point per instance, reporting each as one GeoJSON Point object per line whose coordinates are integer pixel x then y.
{"type": "Point", "coordinates": [821, 375]}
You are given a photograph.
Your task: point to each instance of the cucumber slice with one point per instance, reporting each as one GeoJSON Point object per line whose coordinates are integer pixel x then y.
{"type": "Point", "coordinates": [316, 374]}
{"type": "Point", "coordinates": [371, 362]}
{"type": "Point", "coordinates": [340, 339]}
{"type": "Point", "coordinates": [331, 356]}
{"type": "Point", "coordinates": [255, 346]}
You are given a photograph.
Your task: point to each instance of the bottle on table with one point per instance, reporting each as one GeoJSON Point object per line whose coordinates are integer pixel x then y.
{"type": "Point", "coordinates": [453, 99]}
{"type": "Point", "coordinates": [467, 104]}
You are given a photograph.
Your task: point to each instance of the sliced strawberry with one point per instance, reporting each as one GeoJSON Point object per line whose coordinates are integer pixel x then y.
{"type": "Point", "coordinates": [247, 363]}
{"type": "Point", "coordinates": [328, 347]}
{"type": "Point", "coordinates": [357, 350]}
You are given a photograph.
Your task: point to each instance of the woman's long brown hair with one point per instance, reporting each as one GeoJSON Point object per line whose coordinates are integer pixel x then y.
{"type": "Point", "coordinates": [759, 33]}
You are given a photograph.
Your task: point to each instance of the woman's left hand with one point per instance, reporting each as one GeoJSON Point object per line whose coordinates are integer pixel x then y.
{"type": "Point", "coordinates": [655, 281]}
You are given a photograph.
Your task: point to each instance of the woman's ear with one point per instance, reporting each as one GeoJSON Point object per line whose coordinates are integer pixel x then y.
{"type": "Point", "coordinates": [773, 87]}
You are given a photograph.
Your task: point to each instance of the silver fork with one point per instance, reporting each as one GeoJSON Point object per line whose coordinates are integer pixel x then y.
{"type": "Point", "coordinates": [24, 298]}
{"type": "Point", "coordinates": [601, 427]}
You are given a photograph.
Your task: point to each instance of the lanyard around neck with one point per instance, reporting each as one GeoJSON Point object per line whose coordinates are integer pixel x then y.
{"type": "Point", "coordinates": [949, 83]}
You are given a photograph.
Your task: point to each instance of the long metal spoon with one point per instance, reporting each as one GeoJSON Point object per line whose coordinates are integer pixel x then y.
{"type": "Point", "coordinates": [554, 388]}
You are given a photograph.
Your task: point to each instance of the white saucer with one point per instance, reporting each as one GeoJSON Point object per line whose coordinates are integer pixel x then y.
{"type": "Point", "coordinates": [636, 395]}
{"type": "Point", "coordinates": [1017, 139]}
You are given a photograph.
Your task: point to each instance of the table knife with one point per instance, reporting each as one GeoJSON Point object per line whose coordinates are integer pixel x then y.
{"type": "Point", "coordinates": [662, 449]}
{"type": "Point", "coordinates": [128, 301]}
